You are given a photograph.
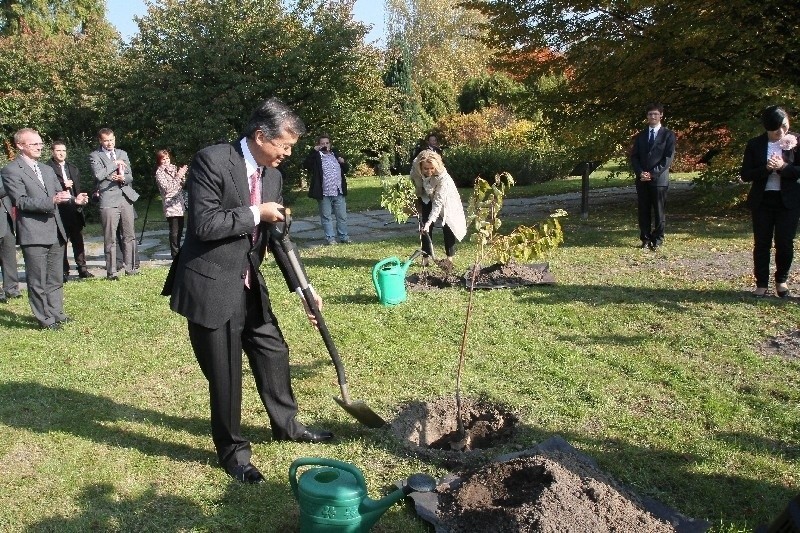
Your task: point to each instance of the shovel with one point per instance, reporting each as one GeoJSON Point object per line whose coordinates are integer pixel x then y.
{"type": "Point", "coordinates": [357, 409]}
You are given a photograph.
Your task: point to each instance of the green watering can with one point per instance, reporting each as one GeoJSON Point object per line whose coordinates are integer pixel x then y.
{"type": "Point", "coordinates": [389, 278]}
{"type": "Point", "coordinates": [333, 497]}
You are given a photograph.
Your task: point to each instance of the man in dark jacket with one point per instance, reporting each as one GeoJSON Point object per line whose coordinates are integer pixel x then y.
{"type": "Point", "coordinates": [71, 214]}
{"type": "Point", "coordinates": [328, 186]}
{"type": "Point", "coordinates": [651, 157]}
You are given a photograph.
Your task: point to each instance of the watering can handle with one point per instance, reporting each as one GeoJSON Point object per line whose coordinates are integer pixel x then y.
{"type": "Point", "coordinates": [322, 461]}
{"type": "Point", "coordinates": [377, 269]}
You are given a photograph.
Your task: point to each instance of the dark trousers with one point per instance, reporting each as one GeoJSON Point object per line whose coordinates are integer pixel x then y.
{"type": "Point", "coordinates": [651, 206]}
{"type": "Point", "coordinates": [8, 262]}
{"type": "Point", "coordinates": [427, 244]}
{"type": "Point", "coordinates": [175, 234]}
{"type": "Point", "coordinates": [219, 354]}
{"type": "Point", "coordinates": [78, 249]}
{"type": "Point", "coordinates": [772, 222]}
{"type": "Point", "coordinates": [45, 279]}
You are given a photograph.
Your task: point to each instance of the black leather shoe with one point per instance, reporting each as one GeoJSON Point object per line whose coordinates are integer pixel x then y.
{"type": "Point", "coordinates": [245, 474]}
{"type": "Point", "coordinates": [782, 290]}
{"type": "Point", "coordinates": [84, 274]}
{"type": "Point", "coordinates": [3, 300]}
{"type": "Point", "coordinates": [54, 326]}
{"type": "Point", "coordinates": [644, 245]}
{"type": "Point", "coordinates": [312, 436]}
{"type": "Point", "coordinates": [66, 277]}
{"type": "Point", "coordinates": [112, 277]}
{"type": "Point", "coordinates": [13, 296]}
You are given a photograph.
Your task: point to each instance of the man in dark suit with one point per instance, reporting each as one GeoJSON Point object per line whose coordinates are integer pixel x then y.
{"type": "Point", "coordinates": [234, 197]}
{"type": "Point", "coordinates": [35, 191]}
{"type": "Point", "coordinates": [71, 215]}
{"type": "Point", "coordinates": [8, 248]}
{"type": "Point", "coordinates": [651, 157]}
{"type": "Point", "coordinates": [112, 171]}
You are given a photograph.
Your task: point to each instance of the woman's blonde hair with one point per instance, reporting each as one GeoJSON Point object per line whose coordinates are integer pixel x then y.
{"type": "Point", "coordinates": [431, 157]}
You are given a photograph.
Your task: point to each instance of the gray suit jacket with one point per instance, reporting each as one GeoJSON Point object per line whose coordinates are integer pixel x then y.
{"type": "Point", "coordinates": [6, 220]}
{"type": "Point", "coordinates": [38, 220]}
{"type": "Point", "coordinates": [112, 193]}
{"type": "Point", "coordinates": [206, 280]}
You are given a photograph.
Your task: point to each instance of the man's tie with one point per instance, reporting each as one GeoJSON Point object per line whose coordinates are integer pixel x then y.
{"type": "Point", "coordinates": [255, 199]}
{"type": "Point", "coordinates": [651, 141]}
{"type": "Point", "coordinates": [39, 174]}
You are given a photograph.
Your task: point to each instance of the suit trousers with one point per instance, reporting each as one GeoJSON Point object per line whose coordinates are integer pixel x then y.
{"type": "Point", "coordinates": [75, 236]}
{"type": "Point", "coordinates": [45, 278]}
{"type": "Point", "coordinates": [772, 221]}
{"type": "Point", "coordinates": [8, 262]}
{"type": "Point", "coordinates": [219, 354]}
{"type": "Point", "coordinates": [651, 206]}
{"type": "Point", "coordinates": [111, 218]}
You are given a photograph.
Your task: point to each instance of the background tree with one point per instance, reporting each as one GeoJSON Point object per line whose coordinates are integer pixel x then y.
{"type": "Point", "coordinates": [48, 17]}
{"type": "Point", "coordinates": [56, 81]}
{"type": "Point", "coordinates": [197, 68]}
{"type": "Point", "coordinates": [713, 64]}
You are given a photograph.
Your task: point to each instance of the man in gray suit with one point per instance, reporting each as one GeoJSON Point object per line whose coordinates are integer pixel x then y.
{"type": "Point", "coordinates": [8, 248]}
{"type": "Point", "coordinates": [112, 171]}
{"type": "Point", "coordinates": [36, 192]}
{"type": "Point", "coordinates": [234, 198]}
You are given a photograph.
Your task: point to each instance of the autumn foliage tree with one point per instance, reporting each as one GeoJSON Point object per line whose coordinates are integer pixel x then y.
{"type": "Point", "coordinates": [713, 64]}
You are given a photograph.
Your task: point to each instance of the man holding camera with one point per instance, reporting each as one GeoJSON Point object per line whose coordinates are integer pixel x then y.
{"type": "Point", "coordinates": [328, 186]}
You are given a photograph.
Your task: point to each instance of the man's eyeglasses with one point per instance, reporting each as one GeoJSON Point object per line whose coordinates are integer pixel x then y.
{"type": "Point", "coordinates": [34, 144]}
{"type": "Point", "coordinates": [284, 147]}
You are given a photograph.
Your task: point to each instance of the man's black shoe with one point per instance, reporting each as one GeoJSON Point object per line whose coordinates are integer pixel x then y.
{"type": "Point", "coordinates": [13, 296]}
{"type": "Point", "coordinates": [66, 277]}
{"type": "Point", "coordinates": [54, 326]}
{"type": "Point", "coordinates": [84, 274]}
{"type": "Point", "coordinates": [245, 473]}
{"type": "Point", "coordinates": [644, 245]}
{"type": "Point", "coordinates": [311, 436]}
{"type": "Point", "coordinates": [3, 300]}
{"type": "Point", "coordinates": [112, 277]}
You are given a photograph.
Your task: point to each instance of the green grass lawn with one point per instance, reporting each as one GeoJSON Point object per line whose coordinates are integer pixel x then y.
{"type": "Point", "coordinates": [646, 362]}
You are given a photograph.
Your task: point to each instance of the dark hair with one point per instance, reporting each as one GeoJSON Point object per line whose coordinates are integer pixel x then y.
{"type": "Point", "coordinates": [772, 117]}
{"type": "Point", "coordinates": [273, 117]}
{"type": "Point", "coordinates": [105, 131]}
{"type": "Point", "coordinates": [654, 106]}
{"type": "Point", "coordinates": [58, 142]}
{"type": "Point", "coordinates": [323, 136]}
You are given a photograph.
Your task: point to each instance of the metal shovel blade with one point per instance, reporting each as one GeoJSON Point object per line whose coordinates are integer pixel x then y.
{"type": "Point", "coordinates": [361, 412]}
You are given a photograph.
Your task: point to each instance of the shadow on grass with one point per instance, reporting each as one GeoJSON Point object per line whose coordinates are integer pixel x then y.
{"type": "Point", "coordinates": [11, 320]}
{"type": "Point", "coordinates": [44, 409]}
{"type": "Point", "coordinates": [102, 507]}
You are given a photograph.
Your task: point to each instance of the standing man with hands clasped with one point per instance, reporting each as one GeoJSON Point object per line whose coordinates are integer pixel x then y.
{"type": "Point", "coordinates": [71, 215]}
{"type": "Point", "coordinates": [329, 187]}
{"type": "Point", "coordinates": [234, 198]}
{"type": "Point", "coordinates": [651, 157]}
{"type": "Point", "coordinates": [112, 171]}
{"type": "Point", "coordinates": [36, 192]}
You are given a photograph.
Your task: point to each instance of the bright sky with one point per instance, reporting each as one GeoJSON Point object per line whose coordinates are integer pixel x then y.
{"type": "Point", "coordinates": [121, 12]}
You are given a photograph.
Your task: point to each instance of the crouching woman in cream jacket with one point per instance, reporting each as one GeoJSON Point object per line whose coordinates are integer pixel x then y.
{"type": "Point", "coordinates": [437, 195]}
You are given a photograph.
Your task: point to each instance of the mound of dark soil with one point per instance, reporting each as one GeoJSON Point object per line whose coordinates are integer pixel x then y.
{"type": "Point", "coordinates": [510, 275]}
{"type": "Point", "coordinates": [786, 346]}
{"type": "Point", "coordinates": [551, 488]}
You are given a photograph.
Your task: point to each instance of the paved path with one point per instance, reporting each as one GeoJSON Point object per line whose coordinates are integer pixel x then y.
{"type": "Point", "coordinates": [378, 224]}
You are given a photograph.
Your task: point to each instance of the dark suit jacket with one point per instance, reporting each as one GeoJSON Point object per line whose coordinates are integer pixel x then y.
{"type": "Point", "coordinates": [313, 163]}
{"type": "Point", "coordinates": [206, 280]}
{"type": "Point", "coordinates": [71, 214]}
{"type": "Point", "coordinates": [38, 220]}
{"type": "Point", "coordinates": [112, 193]}
{"type": "Point", "coordinates": [754, 169]}
{"type": "Point", "coordinates": [656, 160]}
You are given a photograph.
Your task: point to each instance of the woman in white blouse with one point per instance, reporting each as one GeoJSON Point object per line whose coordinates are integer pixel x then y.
{"type": "Point", "coordinates": [437, 195]}
{"type": "Point", "coordinates": [771, 164]}
{"type": "Point", "coordinates": [171, 180]}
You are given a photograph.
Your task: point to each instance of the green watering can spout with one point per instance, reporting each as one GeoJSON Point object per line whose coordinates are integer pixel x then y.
{"type": "Point", "coordinates": [407, 264]}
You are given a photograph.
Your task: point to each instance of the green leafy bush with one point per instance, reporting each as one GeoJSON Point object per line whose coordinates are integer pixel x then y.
{"type": "Point", "coordinates": [465, 163]}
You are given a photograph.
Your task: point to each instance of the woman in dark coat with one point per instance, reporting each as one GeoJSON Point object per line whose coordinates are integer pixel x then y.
{"type": "Point", "coordinates": [771, 164]}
